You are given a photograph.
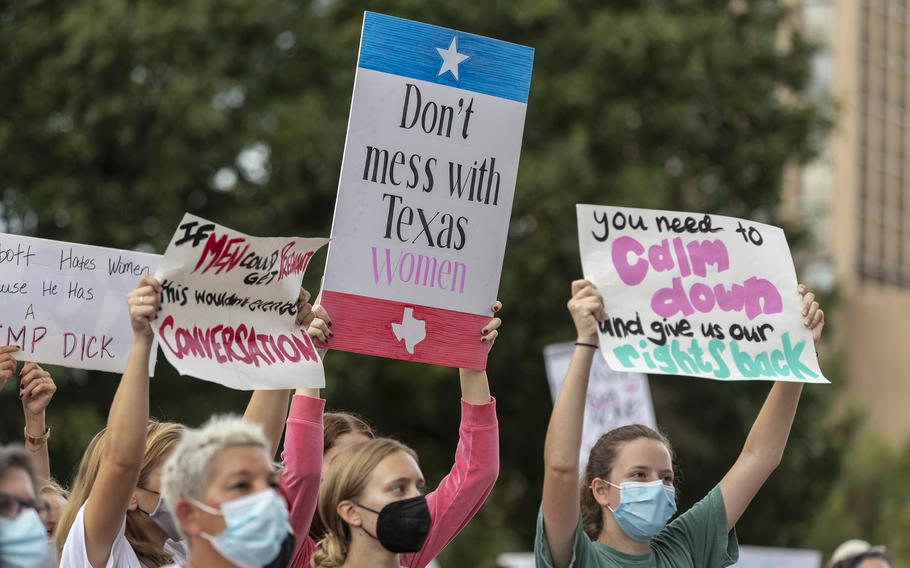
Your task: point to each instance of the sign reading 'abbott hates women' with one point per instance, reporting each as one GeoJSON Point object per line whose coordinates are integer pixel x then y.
{"type": "Point", "coordinates": [65, 303]}
{"type": "Point", "coordinates": [700, 295]}
{"type": "Point", "coordinates": [426, 191]}
{"type": "Point", "coordinates": [229, 305]}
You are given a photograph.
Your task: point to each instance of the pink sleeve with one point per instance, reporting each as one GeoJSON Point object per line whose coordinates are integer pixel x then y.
{"type": "Point", "coordinates": [462, 492]}
{"type": "Point", "coordinates": [302, 457]}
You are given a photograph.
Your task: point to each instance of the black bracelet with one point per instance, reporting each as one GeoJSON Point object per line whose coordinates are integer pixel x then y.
{"type": "Point", "coordinates": [591, 345]}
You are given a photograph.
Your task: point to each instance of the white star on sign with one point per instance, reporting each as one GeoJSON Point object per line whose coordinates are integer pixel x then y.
{"type": "Point", "coordinates": [451, 58]}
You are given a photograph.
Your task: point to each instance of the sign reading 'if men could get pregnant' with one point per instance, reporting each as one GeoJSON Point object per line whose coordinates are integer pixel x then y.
{"type": "Point", "coordinates": [426, 189]}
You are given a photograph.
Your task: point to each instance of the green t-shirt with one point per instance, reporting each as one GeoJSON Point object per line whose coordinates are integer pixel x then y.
{"type": "Point", "coordinates": [696, 539]}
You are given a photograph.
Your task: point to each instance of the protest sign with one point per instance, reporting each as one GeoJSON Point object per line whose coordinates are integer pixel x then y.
{"type": "Point", "coordinates": [700, 295]}
{"type": "Point", "coordinates": [229, 305]}
{"type": "Point", "coordinates": [65, 303]}
{"type": "Point", "coordinates": [425, 194]}
{"type": "Point", "coordinates": [613, 399]}
{"type": "Point", "coordinates": [767, 557]}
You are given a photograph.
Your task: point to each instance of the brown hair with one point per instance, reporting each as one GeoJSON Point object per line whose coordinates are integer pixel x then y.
{"type": "Point", "coordinates": [335, 425]}
{"type": "Point", "coordinates": [347, 477]}
{"type": "Point", "coordinates": [160, 439]}
{"type": "Point", "coordinates": [13, 456]}
{"type": "Point", "coordinates": [600, 464]}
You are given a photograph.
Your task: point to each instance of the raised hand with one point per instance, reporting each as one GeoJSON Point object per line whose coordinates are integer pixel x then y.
{"type": "Point", "coordinates": [144, 302]}
{"type": "Point", "coordinates": [7, 363]}
{"type": "Point", "coordinates": [813, 316]}
{"type": "Point", "coordinates": [587, 309]}
{"type": "Point", "coordinates": [320, 324]}
{"type": "Point", "coordinates": [491, 331]}
{"type": "Point", "coordinates": [304, 309]}
{"type": "Point", "coordinates": [36, 388]}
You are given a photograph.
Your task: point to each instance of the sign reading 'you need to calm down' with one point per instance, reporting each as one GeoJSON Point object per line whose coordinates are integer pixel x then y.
{"type": "Point", "coordinates": [693, 294]}
{"type": "Point", "coordinates": [426, 189]}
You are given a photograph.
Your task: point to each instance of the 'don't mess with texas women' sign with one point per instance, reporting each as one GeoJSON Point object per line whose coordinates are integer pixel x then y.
{"type": "Point", "coordinates": [426, 189]}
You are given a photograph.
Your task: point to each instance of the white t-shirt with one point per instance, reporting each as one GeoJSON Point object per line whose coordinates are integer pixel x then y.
{"type": "Point", "coordinates": [75, 555]}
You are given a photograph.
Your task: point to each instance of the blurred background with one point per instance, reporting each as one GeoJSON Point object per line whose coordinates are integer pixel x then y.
{"type": "Point", "coordinates": [116, 116]}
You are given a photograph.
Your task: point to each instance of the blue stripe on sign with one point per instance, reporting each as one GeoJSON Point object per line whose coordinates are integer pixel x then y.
{"type": "Point", "coordinates": [408, 48]}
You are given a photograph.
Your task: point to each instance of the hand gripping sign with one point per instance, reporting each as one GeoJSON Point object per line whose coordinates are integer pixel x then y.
{"type": "Point", "coordinates": [693, 294]}
{"type": "Point", "coordinates": [229, 305]}
{"type": "Point", "coordinates": [65, 303]}
{"type": "Point", "coordinates": [425, 194]}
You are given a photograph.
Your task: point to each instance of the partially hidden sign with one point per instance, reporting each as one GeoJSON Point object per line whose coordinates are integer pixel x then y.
{"type": "Point", "coordinates": [65, 303]}
{"type": "Point", "coordinates": [613, 399]}
{"type": "Point", "coordinates": [700, 295]}
{"type": "Point", "coordinates": [425, 194]}
{"type": "Point", "coordinates": [229, 306]}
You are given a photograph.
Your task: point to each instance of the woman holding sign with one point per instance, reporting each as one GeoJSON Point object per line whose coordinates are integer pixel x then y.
{"type": "Point", "coordinates": [311, 453]}
{"type": "Point", "coordinates": [627, 491]}
{"type": "Point", "coordinates": [117, 517]}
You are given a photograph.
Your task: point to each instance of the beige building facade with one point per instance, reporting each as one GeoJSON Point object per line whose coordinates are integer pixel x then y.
{"type": "Point", "coordinates": [855, 199]}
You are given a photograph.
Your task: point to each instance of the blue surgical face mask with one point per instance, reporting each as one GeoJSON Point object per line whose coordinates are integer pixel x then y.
{"type": "Point", "coordinates": [256, 526]}
{"type": "Point", "coordinates": [644, 508]}
{"type": "Point", "coordinates": [23, 541]}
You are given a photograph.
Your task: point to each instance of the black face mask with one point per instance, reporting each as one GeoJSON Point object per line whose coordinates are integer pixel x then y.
{"type": "Point", "coordinates": [285, 555]}
{"type": "Point", "coordinates": [402, 526]}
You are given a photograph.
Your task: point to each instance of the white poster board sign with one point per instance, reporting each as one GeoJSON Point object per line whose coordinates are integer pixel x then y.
{"type": "Point", "coordinates": [425, 194]}
{"type": "Point", "coordinates": [65, 303]}
{"type": "Point", "coordinates": [766, 557]}
{"type": "Point", "coordinates": [229, 306]}
{"type": "Point", "coordinates": [693, 294]}
{"type": "Point", "coordinates": [613, 399]}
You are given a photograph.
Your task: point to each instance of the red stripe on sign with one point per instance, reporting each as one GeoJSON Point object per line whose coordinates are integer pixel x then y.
{"type": "Point", "coordinates": [399, 330]}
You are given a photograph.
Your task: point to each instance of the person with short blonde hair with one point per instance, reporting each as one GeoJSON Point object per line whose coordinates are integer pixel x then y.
{"type": "Point", "coordinates": [222, 487]}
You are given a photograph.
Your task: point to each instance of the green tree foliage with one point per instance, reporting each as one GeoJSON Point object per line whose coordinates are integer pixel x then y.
{"type": "Point", "coordinates": [869, 501]}
{"type": "Point", "coordinates": [117, 116]}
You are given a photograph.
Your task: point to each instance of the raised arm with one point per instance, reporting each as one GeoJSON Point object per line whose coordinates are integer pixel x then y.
{"type": "Point", "coordinates": [461, 493]}
{"type": "Point", "coordinates": [561, 508]}
{"type": "Point", "coordinates": [36, 388]}
{"type": "Point", "coordinates": [127, 425]}
{"type": "Point", "coordinates": [475, 388]}
{"type": "Point", "coordinates": [767, 439]}
{"type": "Point", "coordinates": [269, 408]}
{"type": "Point", "coordinates": [302, 456]}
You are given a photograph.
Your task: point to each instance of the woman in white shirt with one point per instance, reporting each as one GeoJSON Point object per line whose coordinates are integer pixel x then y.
{"type": "Point", "coordinates": [116, 517]}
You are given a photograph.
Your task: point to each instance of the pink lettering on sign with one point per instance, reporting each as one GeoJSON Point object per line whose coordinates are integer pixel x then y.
{"type": "Point", "coordinates": [222, 253]}
{"type": "Point", "coordinates": [755, 296]}
{"type": "Point", "coordinates": [225, 343]}
{"type": "Point", "coordinates": [694, 257]}
{"type": "Point", "coordinates": [293, 262]}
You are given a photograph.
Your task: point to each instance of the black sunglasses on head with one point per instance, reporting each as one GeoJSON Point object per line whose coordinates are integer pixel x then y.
{"type": "Point", "coordinates": [11, 506]}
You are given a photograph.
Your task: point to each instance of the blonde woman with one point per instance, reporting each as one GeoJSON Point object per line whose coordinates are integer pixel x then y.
{"type": "Point", "coordinates": [309, 449]}
{"type": "Point", "coordinates": [116, 516]}
{"type": "Point", "coordinates": [373, 506]}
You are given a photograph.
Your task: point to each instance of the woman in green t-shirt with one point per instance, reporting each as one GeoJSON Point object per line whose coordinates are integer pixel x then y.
{"type": "Point", "coordinates": [627, 491]}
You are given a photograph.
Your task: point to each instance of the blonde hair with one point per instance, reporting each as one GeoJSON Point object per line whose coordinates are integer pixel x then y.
{"type": "Point", "coordinates": [189, 467]}
{"type": "Point", "coordinates": [161, 437]}
{"type": "Point", "coordinates": [334, 426]}
{"type": "Point", "coordinates": [54, 487]}
{"type": "Point", "coordinates": [347, 477]}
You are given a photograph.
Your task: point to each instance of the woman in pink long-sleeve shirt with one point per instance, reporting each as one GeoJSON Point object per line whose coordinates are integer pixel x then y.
{"type": "Point", "coordinates": [454, 502]}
